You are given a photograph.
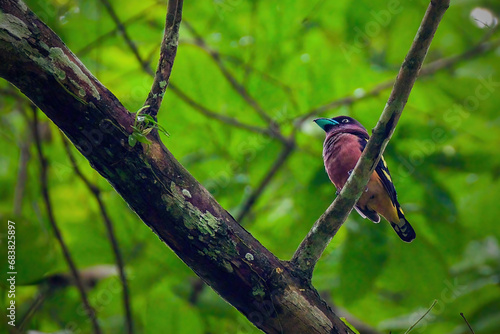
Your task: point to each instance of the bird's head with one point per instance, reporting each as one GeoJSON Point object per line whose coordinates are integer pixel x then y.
{"type": "Point", "coordinates": [339, 124]}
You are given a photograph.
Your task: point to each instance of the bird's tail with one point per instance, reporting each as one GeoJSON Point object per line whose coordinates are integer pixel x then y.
{"type": "Point", "coordinates": [404, 229]}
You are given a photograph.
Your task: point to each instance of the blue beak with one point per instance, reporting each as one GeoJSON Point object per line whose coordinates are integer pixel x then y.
{"type": "Point", "coordinates": [325, 123]}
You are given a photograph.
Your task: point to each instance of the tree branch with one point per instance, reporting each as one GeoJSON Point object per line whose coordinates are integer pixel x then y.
{"type": "Point", "coordinates": [327, 225]}
{"type": "Point", "coordinates": [96, 192]}
{"type": "Point", "coordinates": [278, 163]}
{"type": "Point", "coordinates": [22, 174]}
{"type": "Point", "coordinates": [121, 27]}
{"type": "Point", "coordinates": [480, 48]}
{"type": "Point", "coordinates": [168, 51]}
{"type": "Point", "coordinates": [123, 30]}
{"type": "Point", "coordinates": [239, 88]}
{"type": "Point", "coordinates": [155, 185]}
{"type": "Point", "coordinates": [183, 96]}
{"type": "Point", "coordinates": [67, 256]}
{"type": "Point", "coordinates": [468, 325]}
{"type": "Point", "coordinates": [249, 68]}
{"type": "Point", "coordinates": [221, 118]}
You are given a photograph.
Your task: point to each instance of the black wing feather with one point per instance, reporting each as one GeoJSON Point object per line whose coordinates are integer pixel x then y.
{"type": "Point", "coordinates": [384, 174]}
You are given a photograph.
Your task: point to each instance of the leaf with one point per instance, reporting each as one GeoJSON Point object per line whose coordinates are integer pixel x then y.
{"type": "Point", "coordinates": [147, 131]}
{"type": "Point", "coordinates": [344, 320]}
{"type": "Point", "coordinates": [141, 138]}
{"type": "Point", "coordinates": [132, 140]}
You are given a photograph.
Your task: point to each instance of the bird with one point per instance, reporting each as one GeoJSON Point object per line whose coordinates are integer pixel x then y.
{"type": "Point", "coordinates": [345, 140]}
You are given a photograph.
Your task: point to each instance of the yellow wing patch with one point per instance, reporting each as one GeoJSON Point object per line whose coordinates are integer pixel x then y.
{"type": "Point", "coordinates": [387, 175]}
{"type": "Point", "coordinates": [383, 161]}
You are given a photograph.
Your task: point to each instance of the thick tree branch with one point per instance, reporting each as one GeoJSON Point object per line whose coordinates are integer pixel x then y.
{"type": "Point", "coordinates": [328, 224]}
{"type": "Point", "coordinates": [168, 51]}
{"type": "Point", "coordinates": [154, 184]}
{"type": "Point", "coordinates": [96, 192]}
{"type": "Point", "coordinates": [57, 232]}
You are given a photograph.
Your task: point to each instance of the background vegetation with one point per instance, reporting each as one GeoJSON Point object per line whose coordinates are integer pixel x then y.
{"type": "Point", "coordinates": [237, 58]}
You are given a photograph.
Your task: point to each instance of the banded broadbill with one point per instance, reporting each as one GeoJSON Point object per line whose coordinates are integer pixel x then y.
{"type": "Point", "coordinates": [345, 139]}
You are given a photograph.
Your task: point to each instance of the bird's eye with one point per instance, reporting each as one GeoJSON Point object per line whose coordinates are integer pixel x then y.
{"type": "Point", "coordinates": [345, 120]}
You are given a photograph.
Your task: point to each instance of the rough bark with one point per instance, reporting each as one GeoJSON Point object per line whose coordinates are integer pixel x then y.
{"type": "Point", "coordinates": [155, 185]}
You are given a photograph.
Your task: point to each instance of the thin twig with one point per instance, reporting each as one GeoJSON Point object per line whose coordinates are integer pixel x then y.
{"type": "Point", "coordinates": [448, 62]}
{"type": "Point", "coordinates": [168, 50]}
{"type": "Point", "coordinates": [222, 118]}
{"type": "Point", "coordinates": [431, 68]}
{"type": "Point", "coordinates": [110, 232]}
{"type": "Point", "coordinates": [123, 30]}
{"type": "Point", "coordinates": [252, 32]}
{"type": "Point", "coordinates": [470, 327]}
{"type": "Point", "coordinates": [278, 163]}
{"type": "Point", "coordinates": [327, 225]}
{"type": "Point", "coordinates": [67, 256]}
{"type": "Point", "coordinates": [423, 316]}
{"type": "Point", "coordinates": [289, 144]}
{"type": "Point", "coordinates": [248, 68]}
{"type": "Point", "coordinates": [183, 96]}
{"type": "Point", "coordinates": [219, 117]}
{"type": "Point", "coordinates": [239, 88]}
{"type": "Point", "coordinates": [22, 174]}
{"type": "Point", "coordinates": [120, 27]}
{"type": "Point", "coordinates": [34, 306]}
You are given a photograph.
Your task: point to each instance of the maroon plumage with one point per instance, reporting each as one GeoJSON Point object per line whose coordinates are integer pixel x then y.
{"type": "Point", "coordinates": [342, 149]}
{"type": "Point", "coordinates": [345, 140]}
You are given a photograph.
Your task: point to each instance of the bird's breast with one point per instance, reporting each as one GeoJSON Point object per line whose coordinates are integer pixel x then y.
{"type": "Point", "coordinates": [340, 154]}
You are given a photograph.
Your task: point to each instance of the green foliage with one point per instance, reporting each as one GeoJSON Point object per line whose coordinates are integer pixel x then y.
{"type": "Point", "coordinates": [291, 57]}
{"type": "Point", "coordinates": [143, 125]}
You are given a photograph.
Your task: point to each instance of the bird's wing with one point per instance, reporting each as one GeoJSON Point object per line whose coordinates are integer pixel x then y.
{"type": "Point", "coordinates": [384, 174]}
{"type": "Point", "coordinates": [367, 213]}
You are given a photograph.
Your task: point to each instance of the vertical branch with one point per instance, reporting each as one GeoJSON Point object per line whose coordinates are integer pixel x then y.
{"type": "Point", "coordinates": [168, 51]}
{"type": "Point", "coordinates": [110, 232]}
{"type": "Point", "coordinates": [67, 256]}
{"type": "Point", "coordinates": [327, 225]}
